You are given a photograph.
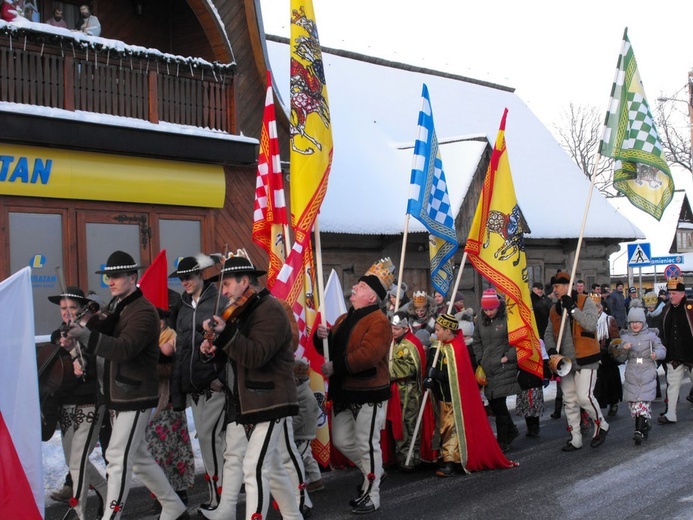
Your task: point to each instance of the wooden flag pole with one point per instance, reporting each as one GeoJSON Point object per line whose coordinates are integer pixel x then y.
{"type": "Point", "coordinates": [451, 304]}
{"type": "Point", "coordinates": [399, 283]}
{"type": "Point", "coordinates": [579, 246]}
{"type": "Point", "coordinates": [321, 286]}
{"type": "Point", "coordinates": [428, 390]}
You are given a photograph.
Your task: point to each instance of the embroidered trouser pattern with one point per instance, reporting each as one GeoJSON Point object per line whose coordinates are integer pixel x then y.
{"type": "Point", "coordinates": [79, 438]}
{"type": "Point", "coordinates": [674, 379]}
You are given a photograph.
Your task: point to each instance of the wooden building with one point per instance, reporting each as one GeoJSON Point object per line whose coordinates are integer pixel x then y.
{"type": "Point", "coordinates": [145, 138]}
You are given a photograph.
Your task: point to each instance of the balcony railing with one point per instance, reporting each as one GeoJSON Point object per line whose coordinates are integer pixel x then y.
{"type": "Point", "coordinates": [81, 73]}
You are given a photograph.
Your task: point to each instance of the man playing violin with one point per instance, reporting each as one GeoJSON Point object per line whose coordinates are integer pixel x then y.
{"type": "Point", "coordinates": [80, 415]}
{"type": "Point", "coordinates": [201, 379]}
{"type": "Point", "coordinates": [256, 334]}
{"type": "Point", "coordinates": [126, 345]}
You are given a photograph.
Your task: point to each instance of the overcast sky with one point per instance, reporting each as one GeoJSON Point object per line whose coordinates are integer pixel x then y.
{"type": "Point", "coordinates": [552, 53]}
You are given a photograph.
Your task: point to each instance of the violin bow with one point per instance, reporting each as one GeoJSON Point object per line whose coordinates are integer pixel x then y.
{"type": "Point", "coordinates": [221, 277]}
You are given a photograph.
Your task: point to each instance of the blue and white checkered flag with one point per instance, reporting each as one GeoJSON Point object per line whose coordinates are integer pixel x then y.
{"type": "Point", "coordinates": [429, 202]}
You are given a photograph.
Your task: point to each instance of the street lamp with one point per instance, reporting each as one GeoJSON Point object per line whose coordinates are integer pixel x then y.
{"type": "Point", "coordinates": [689, 102]}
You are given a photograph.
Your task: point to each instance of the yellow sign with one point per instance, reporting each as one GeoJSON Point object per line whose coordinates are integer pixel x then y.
{"type": "Point", "coordinates": [67, 174]}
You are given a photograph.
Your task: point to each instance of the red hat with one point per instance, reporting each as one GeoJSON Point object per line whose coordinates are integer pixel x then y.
{"type": "Point", "coordinates": [490, 300]}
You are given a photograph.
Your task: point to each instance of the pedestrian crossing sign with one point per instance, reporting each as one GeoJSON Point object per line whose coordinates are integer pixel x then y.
{"type": "Point", "coordinates": [639, 254]}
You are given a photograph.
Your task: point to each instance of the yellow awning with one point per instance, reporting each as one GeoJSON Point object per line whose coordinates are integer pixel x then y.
{"type": "Point", "coordinates": [67, 174]}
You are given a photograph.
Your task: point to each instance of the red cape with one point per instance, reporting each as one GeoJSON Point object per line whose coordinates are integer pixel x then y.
{"type": "Point", "coordinates": [478, 446]}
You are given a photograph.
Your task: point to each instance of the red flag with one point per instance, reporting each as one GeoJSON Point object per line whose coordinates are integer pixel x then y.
{"type": "Point", "coordinates": [269, 215]}
{"type": "Point", "coordinates": [16, 498]}
{"type": "Point", "coordinates": [154, 281]}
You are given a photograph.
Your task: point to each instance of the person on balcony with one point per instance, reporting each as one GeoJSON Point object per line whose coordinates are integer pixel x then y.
{"type": "Point", "coordinates": [57, 20]}
{"type": "Point", "coordinates": [90, 23]}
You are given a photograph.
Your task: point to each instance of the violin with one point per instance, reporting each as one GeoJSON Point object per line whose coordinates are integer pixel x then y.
{"type": "Point", "coordinates": [55, 374]}
{"type": "Point", "coordinates": [230, 314]}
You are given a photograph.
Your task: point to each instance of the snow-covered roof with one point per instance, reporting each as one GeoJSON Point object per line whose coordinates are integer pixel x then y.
{"type": "Point", "coordinates": [374, 107]}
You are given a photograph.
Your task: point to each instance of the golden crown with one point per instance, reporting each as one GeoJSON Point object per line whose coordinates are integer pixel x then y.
{"type": "Point", "coordinates": [420, 298]}
{"type": "Point", "coordinates": [384, 270]}
{"type": "Point", "coordinates": [596, 298]}
{"type": "Point", "coordinates": [673, 282]}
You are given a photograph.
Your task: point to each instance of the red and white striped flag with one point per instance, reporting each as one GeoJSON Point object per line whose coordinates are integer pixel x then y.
{"type": "Point", "coordinates": [21, 467]}
{"type": "Point", "coordinates": [269, 216]}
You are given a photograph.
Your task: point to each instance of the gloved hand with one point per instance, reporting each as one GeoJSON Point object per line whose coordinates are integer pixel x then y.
{"type": "Point", "coordinates": [79, 333]}
{"type": "Point", "coordinates": [567, 303]}
{"type": "Point", "coordinates": [552, 352]}
{"type": "Point", "coordinates": [429, 382]}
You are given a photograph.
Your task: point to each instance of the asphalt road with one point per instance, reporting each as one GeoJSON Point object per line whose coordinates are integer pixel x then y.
{"type": "Point", "coordinates": [616, 480]}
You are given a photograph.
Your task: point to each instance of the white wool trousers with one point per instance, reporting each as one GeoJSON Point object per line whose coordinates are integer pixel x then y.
{"type": "Point", "coordinates": [83, 423]}
{"type": "Point", "coordinates": [578, 392]}
{"type": "Point", "coordinates": [208, 414]}
{"type": "Point", "coordinates": [674, 379]}
{"type": "Point", "coordinates": [305, 450]}
{"type": "Point", "coordinates": [357, 436]}
{"type": "Point", "coordinates": [293, 462]}
{"type": "Point", "coordinates": [128, 454]}
{"type": "Point", "coordinates": [263, 471]}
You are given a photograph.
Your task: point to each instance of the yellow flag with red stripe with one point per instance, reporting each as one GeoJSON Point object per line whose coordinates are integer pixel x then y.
{"type": "Point", "coordinates": [309, 122]}
{"type": "Point", "coordinates": [496, 248]}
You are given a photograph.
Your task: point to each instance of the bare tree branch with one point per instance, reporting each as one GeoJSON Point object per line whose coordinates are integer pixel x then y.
{"type": "Point", "coordinates": [579, 132]}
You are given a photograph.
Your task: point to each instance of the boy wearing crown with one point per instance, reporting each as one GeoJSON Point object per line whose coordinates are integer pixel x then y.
{"type": "Point", "coordinates": [677, 336]}
{"type": "Point", "coordinates": [406, 371]}
{"type": "Point", "coordinates": [422, 316]}
{"type": "Point", "coordinates": [358, 344]}
{"type": "Point", "coordinates": [467, 442]}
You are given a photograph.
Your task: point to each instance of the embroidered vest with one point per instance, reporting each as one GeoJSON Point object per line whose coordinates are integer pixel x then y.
{"type": "Point", "coordinates": [585, 343]}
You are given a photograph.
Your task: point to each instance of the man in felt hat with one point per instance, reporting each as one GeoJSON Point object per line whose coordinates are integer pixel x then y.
{"type": "Point", "coordinates": [677, 336]}
{"type": "Point", "coordinates": [127, 348]}
{"type": "Point", "coordinates": [257, 338]}
{"type": "Point", "coordinates": [80, 416]}
{"type": "Point", "coordinates": [195, 376]}
{"type": "Point", "coordinates": [467, 442]}
{"type": "Point", "coordinates": [358, 344]}
{"type": "Point", "coordinates": [579, 344]}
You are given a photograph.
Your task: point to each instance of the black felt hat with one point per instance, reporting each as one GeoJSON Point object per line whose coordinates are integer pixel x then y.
{"type": "Point", "coordinates": [73, 293]}
{"type": "Point", "coordinates": [187, 265]}
{"type": "Point", "coordinates": [120, 262]}
{"type": "Point", "coordinates": [237, 265]}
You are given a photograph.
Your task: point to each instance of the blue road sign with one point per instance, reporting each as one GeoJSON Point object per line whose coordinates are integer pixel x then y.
{"type": "Point", "coordinates": [665, 260]}
{"type": "Point", "coordinates": [639, 254]}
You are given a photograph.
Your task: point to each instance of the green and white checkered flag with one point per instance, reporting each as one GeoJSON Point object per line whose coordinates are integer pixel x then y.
{"type": "Point", "coordinates": [631, 139]}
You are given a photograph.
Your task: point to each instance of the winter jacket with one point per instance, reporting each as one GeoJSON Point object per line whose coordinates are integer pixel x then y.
{"type": "Point", "coordinates": [190, 374]}
{"type": "Point", "coordinates": [490, 345]}
{"type": "Point", "coordinates": [259, 343]}
{"type": "Point", "coordinates": [131, 353]}
{"type": "Point", "coordinates": [359, 343]}
{"type": "Point", "coordinates": [640, 379]}
{"type": "Point", "coordinates": [306, 422]}
{"type": "Point", "coordinates": [616, 303]}
{"type": "Point", "coordinates": [678, 341]}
